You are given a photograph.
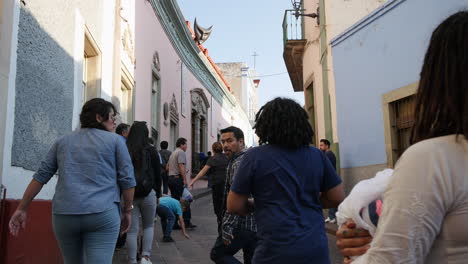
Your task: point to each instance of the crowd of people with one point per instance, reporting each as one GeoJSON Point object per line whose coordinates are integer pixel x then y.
{"type": "Point", "coordinates": [268, 200]}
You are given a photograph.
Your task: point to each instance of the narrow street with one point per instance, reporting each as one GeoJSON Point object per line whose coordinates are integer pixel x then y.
{"type": "Point", "coordinates": [196, 250]}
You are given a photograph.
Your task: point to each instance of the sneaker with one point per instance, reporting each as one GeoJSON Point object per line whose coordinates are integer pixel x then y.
{"type": "Point", "coordinates": [191, 226]}
{"type": "Point", "coordinates": [145, 261]}
{"type": "Point", "coordinates": [168, 239]}
{"type": "Point", "coordinates": [327, 220]}
{"type": "Point", "coordinates": [333, 221]}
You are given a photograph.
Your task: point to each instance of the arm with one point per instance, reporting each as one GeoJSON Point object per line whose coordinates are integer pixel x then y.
{"type": "Point", "coordinates": [47, 169]}
{"type": "Point", "coordinates": [200, 174]}
{"type": "Point", "coordinates": [237, 203]}
{"type": "Point", "coordinates": [182, 172]}
{"type": "Point", "coordinates": [126, 220]}
{"type": "Point", "coordinates": [124, 167]}
{"type": "Point", "coordinates": [18, 219]}
{"type": "Point", "coordinates": [182, 225]}
{"type": "Point", "coordinates": [333, 197]}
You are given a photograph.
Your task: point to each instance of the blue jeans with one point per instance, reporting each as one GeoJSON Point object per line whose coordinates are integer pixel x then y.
{"type": "Point", "coordinates": [146, 208]}
{"type": "Point", "coordinates": [87, 238]}
{"type": "Point", "coordinates": [168, 219]}
{"type": "Point", "coordinates": [243, 239]}
{"type": "Point", "coordinates": [332, 213]}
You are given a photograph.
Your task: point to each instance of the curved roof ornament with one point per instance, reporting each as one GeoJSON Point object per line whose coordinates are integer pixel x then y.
{"type": "Point", "coordinates": [201, 34]}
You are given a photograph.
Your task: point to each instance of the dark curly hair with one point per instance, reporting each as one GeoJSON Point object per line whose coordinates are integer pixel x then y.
{"type": "Point", "coordinates": [93, 107]}
{"type": "Point", "coordinates": [283, 122]}
{"type": "Point", "coordinates": [442, 97]}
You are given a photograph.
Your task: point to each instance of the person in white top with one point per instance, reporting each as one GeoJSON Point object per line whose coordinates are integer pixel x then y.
{"type": "Point", "coordinates": [425, 206]}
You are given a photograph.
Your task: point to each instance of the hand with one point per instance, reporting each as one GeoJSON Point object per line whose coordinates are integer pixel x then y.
{"type": "Point", "coordinates": [125, 223]}
{"type": "Point", "coordinates": [191, 184]}
{"type": "Point", "coordinates": [352, 241]}
{"type": "Point", "coordinates": [228, 240]}
{"type": "Point", "coordinates": [17, 221]}
{"type": "Point", "coordinates": [186, 235]}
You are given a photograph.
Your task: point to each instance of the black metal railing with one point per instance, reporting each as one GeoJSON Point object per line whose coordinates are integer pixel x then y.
{"type": "Point", "coordinates": [292, 26]}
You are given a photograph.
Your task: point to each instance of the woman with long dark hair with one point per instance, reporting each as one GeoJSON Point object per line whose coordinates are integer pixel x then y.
{"type": "Point", "coordinates": [426, 203]}
{"type": "Point", "coordinates": [147, 173]}
{"type": "Point", "coordinates": [93, 166]}
{"type": "Point", "coordinates": [290, 182]}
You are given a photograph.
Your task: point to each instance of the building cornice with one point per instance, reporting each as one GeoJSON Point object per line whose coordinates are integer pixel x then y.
{"type": "Point", "coordinates": [173, 23]}
{"type": "Point", "coordinates": [376, 14]}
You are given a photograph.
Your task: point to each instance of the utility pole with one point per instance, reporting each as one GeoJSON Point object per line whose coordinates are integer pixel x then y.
{"type": "Point", "coordinates": [255, 55]}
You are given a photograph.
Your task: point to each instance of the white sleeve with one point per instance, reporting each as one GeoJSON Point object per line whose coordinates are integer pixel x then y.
{"type": "Point", "coordinates": [414, 207]}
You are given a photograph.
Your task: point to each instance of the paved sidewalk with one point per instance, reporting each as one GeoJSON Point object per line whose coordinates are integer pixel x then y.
{"type": "Point", "coordinates": [185, 251]}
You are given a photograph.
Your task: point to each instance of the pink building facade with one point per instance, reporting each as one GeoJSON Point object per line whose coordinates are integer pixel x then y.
{"type": "Point", "coordinates": [179, 91]}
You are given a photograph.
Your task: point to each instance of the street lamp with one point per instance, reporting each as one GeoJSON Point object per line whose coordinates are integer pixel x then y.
{"type": "Point", "coordinates": [297, 5]}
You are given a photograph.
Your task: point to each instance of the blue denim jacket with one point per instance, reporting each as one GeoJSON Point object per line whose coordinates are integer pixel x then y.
{"type": "Point", "coordinates": [93, 165]}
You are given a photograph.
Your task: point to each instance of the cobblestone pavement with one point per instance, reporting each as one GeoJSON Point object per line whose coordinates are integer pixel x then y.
{"type": "Point", "coordinates": [196, 249]}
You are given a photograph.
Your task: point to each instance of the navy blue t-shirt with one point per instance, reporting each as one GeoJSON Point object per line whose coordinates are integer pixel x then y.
{"type": "Point", "coordinates": [286, 185]}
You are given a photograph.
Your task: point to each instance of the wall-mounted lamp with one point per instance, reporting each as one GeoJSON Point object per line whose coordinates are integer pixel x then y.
{"type": "Point", "coordinates": [297, 4]}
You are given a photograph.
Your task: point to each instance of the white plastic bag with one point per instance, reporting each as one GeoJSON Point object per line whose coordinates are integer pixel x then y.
{"type": "Point", "coordinates": [361, 196]}
{"type": "Point", "coordinates": [186, 195]}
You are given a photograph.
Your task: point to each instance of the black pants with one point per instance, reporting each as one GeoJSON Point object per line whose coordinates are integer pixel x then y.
{"type": "Point", "coordinates": [165, 179]}
{"type": "Point", "coordinates": [243, 239]}
{"type": "Point", "coordinates": [218, 196]}
{"type": "Point", "coordinates": [176, 186]}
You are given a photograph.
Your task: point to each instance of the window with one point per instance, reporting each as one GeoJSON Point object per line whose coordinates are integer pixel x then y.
{"type": "Point", "coordinates": [402, 120]}
{"type": "Point", "coordinates": [398, 115]}
{"type": "Point", "coordinates": [126, 101]}
{"type": "Point", "coordinates": [174, 136]}
{"type": "Point", "coordinates": [155, 104]}
{"type": "Point", "coordinates": [91, 69]}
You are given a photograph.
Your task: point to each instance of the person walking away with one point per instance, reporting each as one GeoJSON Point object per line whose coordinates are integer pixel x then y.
{"type": "Point", "coordinates": [426, 202]}
{"type": "Point", "coordinates": [291, 182]}
{"type": "Point", "coordinates": [170, 210]}
{"type": "Point", "coordinates": [93, 164]}
{"type": "Point", "coordinates": [216, 165]}
{"type": "Point", "coordinates": [123, 130]}
{"type": "Point", "coordinates": [165, 154]}
{"type": "Point", "coordinates": [177, 177]}
{"type": "Point", "coordinates": [145, 160]}
{"type": "Point", "coordinates": [325, 147]}
{"type": "Point", "coordinates": [237, 232]}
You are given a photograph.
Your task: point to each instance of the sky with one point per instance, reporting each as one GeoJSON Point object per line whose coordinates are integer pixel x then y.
{"type": "Point", "coordinates": [241, 28]}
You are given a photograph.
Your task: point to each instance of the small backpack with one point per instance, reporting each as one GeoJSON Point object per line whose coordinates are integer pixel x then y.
{"type": "Point", "coordinates": [144, 175]}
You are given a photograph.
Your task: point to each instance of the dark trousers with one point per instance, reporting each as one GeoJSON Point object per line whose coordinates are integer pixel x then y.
{"type": "Point", "coordinates": [165, 179]}
{"type": "Point", "coordinates": [218, 196]}
{"type": "Point", "coordinates": [332, 213]}
{"type": "Point", "coordinates": [168, 218]}
{"type": "Point", "coordinates": [176, 186]}
{"type": "Point", "coordinates": [243, 239]}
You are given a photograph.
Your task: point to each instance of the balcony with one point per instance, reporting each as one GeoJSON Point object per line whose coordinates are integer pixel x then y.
{"type": "Point", "coordinates": [294, 45]}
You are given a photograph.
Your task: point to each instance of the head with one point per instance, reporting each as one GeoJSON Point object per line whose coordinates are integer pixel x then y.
{"type": "Point", "coordinates": [122, 129]}
{"type": "Point", "coordinates": [98, 113]}
{"type": "Point", "coordinates": [232, 139]}
{"type": "Point", "coordinates": [283, 122]}
{"type": "Point", "coordinates": [442, 97]}
{"type": "Point", "coordinates": [164, 144]}
{"type": "Point", "coordinates": [137, 141]}
{"type": "Point", "coordinates": [217, 148]}
{"type": "Point", "coordinates": [324, 145]}
{"type": "Point", "coordinates": [181, 143]}
{"type": "Point", "coordinates": [209, 152]}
